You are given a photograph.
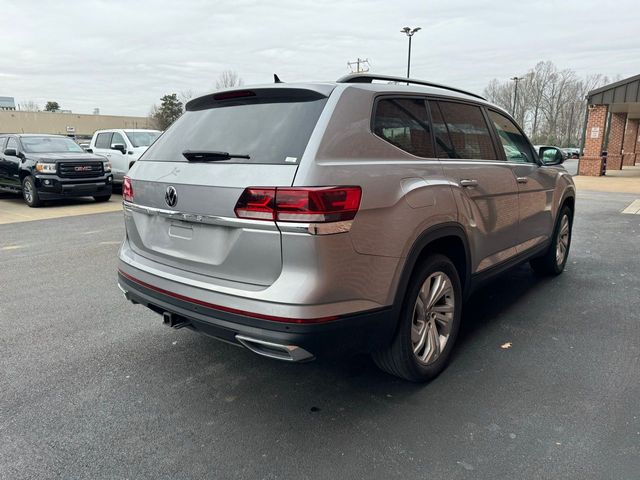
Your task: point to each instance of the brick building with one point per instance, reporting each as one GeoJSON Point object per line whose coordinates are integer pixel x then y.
{"type": "Point", "coordinates": [612, 124]}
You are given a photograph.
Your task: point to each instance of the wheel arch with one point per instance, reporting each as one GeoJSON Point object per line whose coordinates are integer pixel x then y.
{"type": "Point", "coordinates": [448, 239]}
{"type": "Point", "coordinates": [569, 200]}
{"type": "Point", "coordinates": [24, 173]}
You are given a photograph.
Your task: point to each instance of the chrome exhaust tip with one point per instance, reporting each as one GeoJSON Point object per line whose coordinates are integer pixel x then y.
{"type": "Point", "coordinates": [287, 353]}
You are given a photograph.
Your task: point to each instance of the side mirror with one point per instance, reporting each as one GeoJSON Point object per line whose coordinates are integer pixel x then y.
{"type": "Point", "coordinates": [120, 147]}
{"type": "Point", "coordinates": [88, 150]}
{"type": "Point", "coordinates": [550, 156]}
{"type": "Point", "coordinates": [11, 152]}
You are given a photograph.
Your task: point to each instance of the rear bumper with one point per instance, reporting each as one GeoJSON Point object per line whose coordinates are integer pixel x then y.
{"type": "Point", "coordinates": [52, 187]}
{"type": "Point", "coordinates": [353, 333]}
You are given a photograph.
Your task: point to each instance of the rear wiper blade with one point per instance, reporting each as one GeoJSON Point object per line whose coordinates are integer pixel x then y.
{"type": "Point", "coordinates": [210, 155]}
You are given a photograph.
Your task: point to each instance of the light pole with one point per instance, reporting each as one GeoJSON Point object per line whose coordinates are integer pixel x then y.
{"type": "Point", "coordinates": [515, 96]}
{"type": "Point", "coordinates": [409, 32]}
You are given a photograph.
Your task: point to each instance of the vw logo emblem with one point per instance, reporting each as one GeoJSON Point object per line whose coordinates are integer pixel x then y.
{"type": "Point", "coordinates": [171, 196]}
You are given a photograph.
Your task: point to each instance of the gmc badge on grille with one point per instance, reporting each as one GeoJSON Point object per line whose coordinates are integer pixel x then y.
{"type": "Point", "coordinates": [84, 168]}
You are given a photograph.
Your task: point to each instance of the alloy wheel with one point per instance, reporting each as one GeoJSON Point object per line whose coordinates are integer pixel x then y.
{"type": "Point", "coordinates": [562, 244]}
{"type": "Point", "coordinates": [432, 318]}
{"type": "Point", "coordinates": [27, 191]}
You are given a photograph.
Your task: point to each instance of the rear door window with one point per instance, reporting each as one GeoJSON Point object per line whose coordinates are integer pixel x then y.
{"type": "Point", "coordinates": [104, 140]}
{"type": "Point", "coordinates": [12, 143]}
{"type": "Point", "coordinates": [268, 130]}
{"type": "Point", "coordinates": [461, 131]}
{"type": "Point", "coordinates": [403, 122]}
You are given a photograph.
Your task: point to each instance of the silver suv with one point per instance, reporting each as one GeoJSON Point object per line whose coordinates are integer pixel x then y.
{"type": "Point", "coordinates": [300, 220]}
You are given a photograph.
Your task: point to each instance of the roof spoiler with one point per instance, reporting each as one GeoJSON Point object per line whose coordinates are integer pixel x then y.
{"type": "Point", "coordinates": [246, 96]}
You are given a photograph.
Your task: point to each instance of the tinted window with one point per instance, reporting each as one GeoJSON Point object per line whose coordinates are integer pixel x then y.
{"type": "Point", "coordinates": [50, 145]}
{"type": "Point", "coordinates": [118, 139]}
{"type": "Point", "coordinates": [103, 140]}
{"type": "Point", "coordinates": [403, 122]}
{"type": "Point", "coordinates": [444, 149]}
{"type": "Point", "coordinates": [467, 135]}
{"type": "Point", "coordinates": [269, 132]}
{"type": "Point", "coordinates": [12, 143]}
{"type": "Point", "coordinates": [516, 147]}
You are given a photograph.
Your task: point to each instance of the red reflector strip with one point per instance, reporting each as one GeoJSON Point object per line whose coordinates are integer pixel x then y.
{"type": "Point", "coordinates": [227, 309]}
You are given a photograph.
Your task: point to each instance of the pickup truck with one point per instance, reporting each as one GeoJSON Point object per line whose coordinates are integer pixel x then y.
{"type": "Point", "coordinates": [122, 147]}
{"type": "Point", "coordinates": [49, 167]}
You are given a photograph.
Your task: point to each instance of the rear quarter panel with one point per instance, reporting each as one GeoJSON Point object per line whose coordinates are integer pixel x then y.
{"type": "Point", "coordinates": [402, 195]}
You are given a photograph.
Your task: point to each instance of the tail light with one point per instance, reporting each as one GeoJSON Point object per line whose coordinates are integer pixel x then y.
{"type": "Point", "coordinates": [127, 190]}
{"type": "Point", "coordinates": [257, 203]}
{"type": "Point", "coordinates": [310, 204]}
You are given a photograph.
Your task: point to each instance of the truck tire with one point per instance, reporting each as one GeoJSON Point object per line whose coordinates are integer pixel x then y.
{"type": "Point", "coordinates": [30, 193]}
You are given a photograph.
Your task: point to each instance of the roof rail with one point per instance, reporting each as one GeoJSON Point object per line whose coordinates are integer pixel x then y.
{"type": "Point", "coordinates": [369, 78]}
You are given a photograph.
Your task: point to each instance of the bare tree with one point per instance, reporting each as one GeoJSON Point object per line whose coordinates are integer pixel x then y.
{"type": "Point", "coordinates": [29, 106]}
{"type": "Point", "coordinates": [551, 103]}
{"type": "Point", "coordinates": [152, 116]}
{"type": "Point", "coordinates": [228, 79]}
{"type": "Point", "coordinates": [186, 95]}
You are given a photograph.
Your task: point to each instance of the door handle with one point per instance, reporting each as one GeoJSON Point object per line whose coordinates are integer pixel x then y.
{"type": "Point", "coordinates": [469, 183]}
{"type": "Point", "coordinates": [108, 154]}
{"type": "Point", "coordinates": [522, 179]}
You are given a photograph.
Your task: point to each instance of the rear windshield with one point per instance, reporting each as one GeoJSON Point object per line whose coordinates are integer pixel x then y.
{"type": "Point", "coordinates": [273, 133]}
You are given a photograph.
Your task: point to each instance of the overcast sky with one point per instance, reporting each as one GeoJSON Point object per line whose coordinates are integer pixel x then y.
{"type": "Point", "coordinates": [123, 56]}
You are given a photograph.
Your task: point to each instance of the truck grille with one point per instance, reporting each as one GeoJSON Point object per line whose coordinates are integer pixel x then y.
{"type": "Point", "coordinates": [80, 170]}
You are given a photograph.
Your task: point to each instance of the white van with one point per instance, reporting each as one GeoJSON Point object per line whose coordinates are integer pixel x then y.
{"type": "Point", "coordinates": [122, 147]}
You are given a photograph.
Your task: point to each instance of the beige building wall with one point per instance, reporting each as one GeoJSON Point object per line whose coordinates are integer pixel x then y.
{"type": "Point", "coordinates": [65, 123]}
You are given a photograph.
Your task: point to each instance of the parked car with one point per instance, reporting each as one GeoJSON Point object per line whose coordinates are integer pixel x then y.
{"type": "Point", "coordinates": [571, 152]}
{"type": "Point", "coordinates": [49, 167]}
{"type": "Point", "coordinates": [122, 147]}
{"type": "Point", "coordinates": [359, 221]}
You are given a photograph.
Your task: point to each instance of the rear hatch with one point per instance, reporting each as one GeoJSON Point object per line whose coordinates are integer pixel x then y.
{"type": "Point", "coordinates": [265, 132]}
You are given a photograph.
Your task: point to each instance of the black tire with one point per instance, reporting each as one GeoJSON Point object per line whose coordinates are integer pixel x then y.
{"type": "Point", "coordinates": [398, 358]}
{"type": "Point", "coordinates": [548, 264]}
{"type": "Point", "coordinates": [30, 193]}
{"type": "Point", "coordinates": [102, 198]}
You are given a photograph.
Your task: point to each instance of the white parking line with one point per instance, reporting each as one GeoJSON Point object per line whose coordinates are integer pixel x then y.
{"type": "Point", "coordinates": [11, 247]}
{"type": "Point", "coordinates": [633, 208]}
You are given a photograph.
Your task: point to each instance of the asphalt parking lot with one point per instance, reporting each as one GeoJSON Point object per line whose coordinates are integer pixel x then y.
{"type": "Point", "coordinates": [94, 387]}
